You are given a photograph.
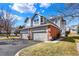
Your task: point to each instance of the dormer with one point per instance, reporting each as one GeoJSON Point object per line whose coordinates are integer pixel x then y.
{"type": "Point", "coordinates": [38, 20]}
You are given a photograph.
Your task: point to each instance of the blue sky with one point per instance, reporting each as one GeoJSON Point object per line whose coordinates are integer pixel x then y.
{"type": "Point", "coordinates": [23, 10]}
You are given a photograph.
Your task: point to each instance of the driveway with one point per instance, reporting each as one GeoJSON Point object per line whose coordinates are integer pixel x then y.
{"type": "Point", "coordinates": [11, 47]}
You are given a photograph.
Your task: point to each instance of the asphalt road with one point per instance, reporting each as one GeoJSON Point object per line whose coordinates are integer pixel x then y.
{"type": "Point", "coordinates": [11, 47]}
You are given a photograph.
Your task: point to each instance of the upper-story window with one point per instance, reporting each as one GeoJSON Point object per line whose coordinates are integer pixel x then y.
{"type": "Point", "coordinates": [42, 19]}
{"type": "Point", "coordinates": [36, 21]}
{"type": "Point", "coordinates": [35, 18]}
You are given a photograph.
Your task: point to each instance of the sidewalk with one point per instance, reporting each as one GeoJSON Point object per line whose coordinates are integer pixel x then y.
{"type": "Point", "coordinates": [77, 46]}
{"type": "Point", "coordinates": [54, 41]}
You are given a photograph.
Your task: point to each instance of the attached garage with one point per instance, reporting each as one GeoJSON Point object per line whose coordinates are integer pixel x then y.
{"type": "Point", "coordinates": [40, 36]}
{"type": "Point", "coordinates": [24, 34]}
{"type": "Point", "coordinates": [46, 32]}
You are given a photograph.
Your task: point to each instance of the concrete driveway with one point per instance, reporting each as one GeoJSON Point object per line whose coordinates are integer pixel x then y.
{"type": "Point", "coordinates": [11, 47]}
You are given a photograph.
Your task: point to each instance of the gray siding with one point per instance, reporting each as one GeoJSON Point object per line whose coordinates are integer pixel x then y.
{"type": "Point", "coordinates": [24, 31]}
{"type": "Point", "coordinates": [37, 29]}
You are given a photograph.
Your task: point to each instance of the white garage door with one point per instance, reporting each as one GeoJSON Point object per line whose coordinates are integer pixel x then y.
{"type": "Point", "coordinates": [24, 36]}
{"type": "Point", "coordinates": [40, 36]}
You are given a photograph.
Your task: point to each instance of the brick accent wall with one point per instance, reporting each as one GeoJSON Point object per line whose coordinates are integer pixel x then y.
{"type": "Point", "coordinates": [53, 32]}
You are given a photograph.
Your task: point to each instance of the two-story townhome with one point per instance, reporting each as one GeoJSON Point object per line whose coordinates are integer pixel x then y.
{"type": "Point", "coordinates": [42, 29]}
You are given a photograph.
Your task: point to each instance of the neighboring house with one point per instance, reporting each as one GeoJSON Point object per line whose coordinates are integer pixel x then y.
{"type": "Point", "coordinates": [60, 22]}
{"type": "Point", "coordinates": [43, 29]}
{"type": "Point", "coordinates": [74, 29]}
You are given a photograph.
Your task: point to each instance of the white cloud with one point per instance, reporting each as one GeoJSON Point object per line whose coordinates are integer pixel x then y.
{"type": "Point", "coordinates": [16, 17]}
{"type": "Point", "coordinates": [24, 7]}
{"type": "Point", "coordinates": [45, 5]}
{"type": "Point", "coordinates": [10, 16]}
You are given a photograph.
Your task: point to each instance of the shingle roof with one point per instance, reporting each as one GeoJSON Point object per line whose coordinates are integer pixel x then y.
{"type": "Point", "coordinates": [43, 25]}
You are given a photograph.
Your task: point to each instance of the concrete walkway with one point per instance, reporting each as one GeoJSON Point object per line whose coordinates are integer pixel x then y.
{"type": "Point", "coordinates": [77, 45]}
{"type": "Point", "coordinates": [54, 41]}
{"type": "Point", "coordinates": [11, 47]}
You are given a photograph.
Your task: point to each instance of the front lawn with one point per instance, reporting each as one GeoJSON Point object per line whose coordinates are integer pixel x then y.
{"type": "Point", "coordinates": [10, 37]}
{"type": "Point", "coordinates": [73, 39]}
{"type": "Point", "coordinates": [2, 34]}
{"type": "Point", "coordinates": [67, 47]}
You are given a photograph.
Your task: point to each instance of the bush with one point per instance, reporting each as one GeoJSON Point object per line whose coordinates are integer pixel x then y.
{"type": "Point", "coordinates": [67, 33]}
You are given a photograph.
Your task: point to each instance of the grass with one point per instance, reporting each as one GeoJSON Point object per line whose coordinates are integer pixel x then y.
{"type": "Point", "coordinates": [73, 39]}
{"type": "Point", "coordinates": [2, 34]}
{"type": "Point", "coordinates": [4, 37]}
{"type": "Point", "coordinates": [67, 47]}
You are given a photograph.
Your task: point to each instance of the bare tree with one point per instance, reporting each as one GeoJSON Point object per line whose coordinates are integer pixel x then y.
{"type": "Point", "coordinates": [18, 29]}
{"type": "Point", "coordinates": [8, 22]}
{"type": "Point", "coordinates": [69, 11]}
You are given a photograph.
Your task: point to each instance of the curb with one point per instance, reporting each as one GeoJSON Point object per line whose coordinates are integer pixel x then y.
{"type": "Point", "coordinates": [55, 41]}
{"type": "Point", "coordinates": [17, 54]}
{"type": "Point", "coordinates": [77, 47]}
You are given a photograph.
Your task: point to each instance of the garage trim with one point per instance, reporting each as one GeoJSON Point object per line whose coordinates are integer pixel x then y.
{"type": "Point", "coordinates": [40, 36]}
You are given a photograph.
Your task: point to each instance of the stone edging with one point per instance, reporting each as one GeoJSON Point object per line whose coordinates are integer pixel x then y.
{"type": "Point", "coordinates": [77, 47]}
{"type": "Point", "coordinates": [17, 54]}
{"type": "Point", "coordinates": [55, 41]}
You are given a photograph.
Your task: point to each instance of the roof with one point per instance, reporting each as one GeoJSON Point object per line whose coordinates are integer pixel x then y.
{"type": "Point", "coordinates": [43, 25]}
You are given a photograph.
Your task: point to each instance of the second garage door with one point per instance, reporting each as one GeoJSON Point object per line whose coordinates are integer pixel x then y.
{"type": "Point", "coordinates": [25, 36]}
{"type": "Point", "coordinates": [40, 36]}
